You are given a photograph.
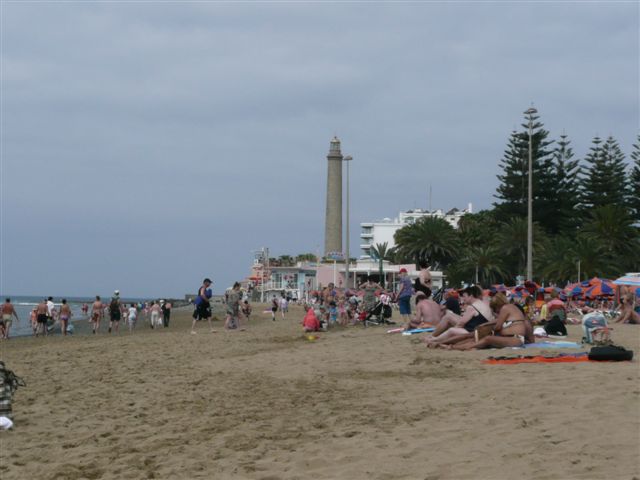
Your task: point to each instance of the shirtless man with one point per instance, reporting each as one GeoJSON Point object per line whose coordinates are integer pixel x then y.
{"type": "Point", "coordinates": [97, 310]}
{"type": "Point", "coordinates": [42, 315]}
{"type": "Point", "coordinates": [428, 312]}
{"type": "Point", "coordinates": [8, 312]}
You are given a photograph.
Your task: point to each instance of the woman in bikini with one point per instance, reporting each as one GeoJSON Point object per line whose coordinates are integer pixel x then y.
{"type": "Point", "coordinates": [628, 313]}
{"type": "Point", "coordinates": [512, 328]}
{"type": "Point", "coordinates": [65, 315]}
{"type": "Point", "coordinates": [462, 326]}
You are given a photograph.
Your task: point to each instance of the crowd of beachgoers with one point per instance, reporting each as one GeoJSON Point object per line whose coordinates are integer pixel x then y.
{"type": "Point", "coordinates": [461, 319]}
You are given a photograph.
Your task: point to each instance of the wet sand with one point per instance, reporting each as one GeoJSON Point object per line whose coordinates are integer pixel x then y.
{"type": "Point", "coordinates": [269, 404]}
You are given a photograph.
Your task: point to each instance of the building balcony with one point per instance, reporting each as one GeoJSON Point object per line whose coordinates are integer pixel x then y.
{"type": "Point", "coordinates": [366, 235]}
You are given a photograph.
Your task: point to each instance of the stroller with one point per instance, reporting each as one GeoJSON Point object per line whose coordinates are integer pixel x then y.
{"type": "Point", "coordinates": [379, 314]}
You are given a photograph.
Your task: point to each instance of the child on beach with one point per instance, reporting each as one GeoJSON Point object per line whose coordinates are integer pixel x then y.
{"type": "Point", "coordinates": [333, 313]}
{"type": "Point", "coordinates": [97, 310]}
{"type": "Point", "coordinates": [343, 318]}
{"type": "Point", "coordinates": [310, 322]}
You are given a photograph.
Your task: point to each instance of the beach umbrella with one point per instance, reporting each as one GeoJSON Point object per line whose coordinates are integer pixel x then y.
{"type": "Point", "coordinates": [631, 279]}
{"type": "Point", "coordinates": [599, 290]}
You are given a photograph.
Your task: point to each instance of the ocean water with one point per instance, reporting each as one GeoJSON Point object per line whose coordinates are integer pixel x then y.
{"type": "Point", "coordinates": [25, 304]}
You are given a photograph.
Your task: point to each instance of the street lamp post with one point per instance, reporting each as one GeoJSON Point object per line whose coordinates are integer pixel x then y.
{"type": "Point", "coordinates": [347, 160]}
{"type": "Point", "coordinates": [530, 112]}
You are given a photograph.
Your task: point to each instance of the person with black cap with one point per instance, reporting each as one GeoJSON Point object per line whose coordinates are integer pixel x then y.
{"type": "Point", "coordinates": [203, 307]}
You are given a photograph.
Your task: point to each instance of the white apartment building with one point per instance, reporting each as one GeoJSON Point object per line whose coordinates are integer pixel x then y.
{"type": "Point", "coordinates": [383, 230]}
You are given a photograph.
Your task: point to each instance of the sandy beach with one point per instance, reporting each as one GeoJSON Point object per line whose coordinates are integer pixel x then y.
{"type": "Point", "coordinates": [269, 404]}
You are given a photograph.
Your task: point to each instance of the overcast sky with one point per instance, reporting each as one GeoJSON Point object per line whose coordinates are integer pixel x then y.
{"type": "Point", "coordinates": [147, 145]}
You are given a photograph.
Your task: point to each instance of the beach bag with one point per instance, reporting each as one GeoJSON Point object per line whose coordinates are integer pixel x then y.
{"type": "Point", "coordinates": [610, 353]}
{"type": "Point", "coordinates": [555, 326]}
{"type": "Point", "coordinates": [9, 383]}
{"type": "Point", "coordinates": [483, 330]}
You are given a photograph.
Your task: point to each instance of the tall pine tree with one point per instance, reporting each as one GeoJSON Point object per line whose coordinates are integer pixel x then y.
{"type": "Point", "coordinates": [567, 173]}
{"type": "Point", "coordinates": [634, 183]}
{"type": "Point", "coordinates": [512, 192]}
{"type": "Point", "coordinates": [604, 181]}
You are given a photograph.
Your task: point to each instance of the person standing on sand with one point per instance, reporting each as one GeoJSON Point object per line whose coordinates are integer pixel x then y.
{"type": "Point", "coordinates": [8, 312]}
{"type": "Point", "coordinates": [42, 317]}
{"type": "Point", "coordinates": [404, 295]}
{"type": "Point", "coordinates": [233, 308]}
{"type": "Point", "coordinates": [423, 282]}
{"type": "Point", "coordinates": [203, 307]}
{"type": "Point", "coordinates": [115, 312]}
{"type": "Point", "coordinates": [156, 315]}
{"type": "Point", "coordinates": [97, 311]}
{"type": "Point", "coordinates": [65, 316]}
{"type": "Point", "coordinates": [284, 306]}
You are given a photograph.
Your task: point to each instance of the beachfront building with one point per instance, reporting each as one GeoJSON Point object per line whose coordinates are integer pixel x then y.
{"type": "Point", "coordinates": [381, 231]}
{"type": "Point", "coordinates": [362, 269]}
{"type": "Point", "coordinates": [294, 281]}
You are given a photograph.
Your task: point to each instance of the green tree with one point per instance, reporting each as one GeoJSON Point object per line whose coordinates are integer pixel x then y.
{"type": "Point", "coordinates": [306, 257]}
{"type": "Point", "coordinates": [382, 252]}
{"type": "Point", "coordinates": [611, 227]}
{"type": "Point", "coordinates": [478, 229]}
{"type": "Point", "coordinates": [634, 181]}
{"type": "Point", "coordinates": [430, 239]}
{"type": "Point", "coordinates": [512, 192]}
{"type": "Point", "coordinates": [512, 242]}
{"type": "Point", "coordinates": [286, 261]}
{"type": "Point", "coordinates": [604, 181]}
{"type": "Point", "coordinates": [485, 263]}
{"type": "Point", "coordinates": [567, 171]}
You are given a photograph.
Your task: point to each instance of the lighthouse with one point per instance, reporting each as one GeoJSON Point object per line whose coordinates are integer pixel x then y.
{"type": "Point", "coordinates": [333, 219]}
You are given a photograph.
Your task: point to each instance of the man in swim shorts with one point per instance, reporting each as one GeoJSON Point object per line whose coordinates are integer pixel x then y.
{"type": "Point", "coordinates": [115, 312]}
{"type": "Point", "coordinates": [42, 315]}
{"type": "Point", "coordinates": [8, 312]}
{"type": "Point", "coordinates": [97, 310]}
{"type": "Point", "coordinates": [428, 312]}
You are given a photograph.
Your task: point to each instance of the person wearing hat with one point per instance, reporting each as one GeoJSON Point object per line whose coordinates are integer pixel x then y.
{"type": "Point", "coordinates": [404, 295]}
{"type": "Point", "coordinates": [203, 307]}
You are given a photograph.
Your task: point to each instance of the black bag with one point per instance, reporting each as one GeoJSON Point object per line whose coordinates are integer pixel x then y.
{"type": "Point", "coordinates": [610, 353]}
{"type": "Point", "coordinates": [555, 327]}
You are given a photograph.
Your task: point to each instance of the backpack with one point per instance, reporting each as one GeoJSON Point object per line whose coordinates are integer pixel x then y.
{"type": "Point", "coordinates": [610, 353]}
{"type": "Point", "coordinates": [9, 383]}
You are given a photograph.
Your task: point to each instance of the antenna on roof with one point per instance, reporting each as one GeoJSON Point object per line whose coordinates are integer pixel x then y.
{"type": "Point", "coordinates": [429, 197]}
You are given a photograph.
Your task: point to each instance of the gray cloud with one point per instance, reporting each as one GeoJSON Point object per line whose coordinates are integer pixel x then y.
{"type": "Point", "coordinates": [145, 145]}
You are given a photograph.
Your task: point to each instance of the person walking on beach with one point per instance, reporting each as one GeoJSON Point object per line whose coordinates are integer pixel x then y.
{"type": "Point", "coordinates": [133, 316]}
{"type": "Point", "coordinates": [42, 317]}
{"type": "Point", "coordinates": [284, 306]}
{"type": "Point", "coordinates": [115, 312]}
{"type": "Point", "coordinates": [97, 310]}
{"type": "Point", "coordinates": [156, 315]}
{"type": "Point", "coordinates": [274, 308]}
{"type": "Point", "coordinates": [8, 312]}
{"type": "Point", "coordinates": [203, 307]}
{"type": "Point", "coordinates": [52, 313]}
{"type": "Point", "coordinates": [166, 312]}
{"type": "Point", "coordinates": [65, 316]}
{"type": "Point", "coordinates": [233, 308]}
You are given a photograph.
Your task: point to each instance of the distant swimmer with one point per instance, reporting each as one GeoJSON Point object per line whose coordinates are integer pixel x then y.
{"type": "Point", "coordinates": [8, 312]}
{"type": "Point", "coordinates": [97, 310]}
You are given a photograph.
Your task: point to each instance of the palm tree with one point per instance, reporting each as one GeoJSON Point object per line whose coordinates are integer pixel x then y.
{"type": "Point", "coordinates": [611, 226]}
{"type": "Point", "coordinates": [382, 252]}
{"type": "Point", "coordinates": [286, 261]}
{"type": "Point", "coordinates": [512, 242]}
{"type": "Point", "coordinates": [430, 239]}
{"type": "Point", "coordinates": [487, 264]}
{"type": "Point", "coordinates": [306, 257]}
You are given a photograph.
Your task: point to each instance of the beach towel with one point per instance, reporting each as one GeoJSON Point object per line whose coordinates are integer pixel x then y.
{"type": "Point", "coordinates": [562, 358]}
{"type": "Point", "coordinates": [418, 330]}
{"type": "Point", "coordinates": [549, 344]}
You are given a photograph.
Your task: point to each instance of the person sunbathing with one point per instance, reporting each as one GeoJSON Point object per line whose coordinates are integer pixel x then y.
{"type": "Point", "coordinates": [452, 325]}
{"type": "Point", "coordinates": [428, 312]}
{"type": "Point", "coordinates": [628, 313]}
{"type": "Point", "coordinates": [511, 329]}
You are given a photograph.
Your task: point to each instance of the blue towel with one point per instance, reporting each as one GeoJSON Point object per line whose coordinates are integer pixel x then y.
{"type": "Point", "coordinates": [552, 345]}
{"type": "Point", "coordinates": [418, 330]}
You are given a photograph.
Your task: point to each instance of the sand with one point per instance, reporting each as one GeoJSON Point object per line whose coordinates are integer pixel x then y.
{"type": "Point", "coordinates": [269, 404]}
